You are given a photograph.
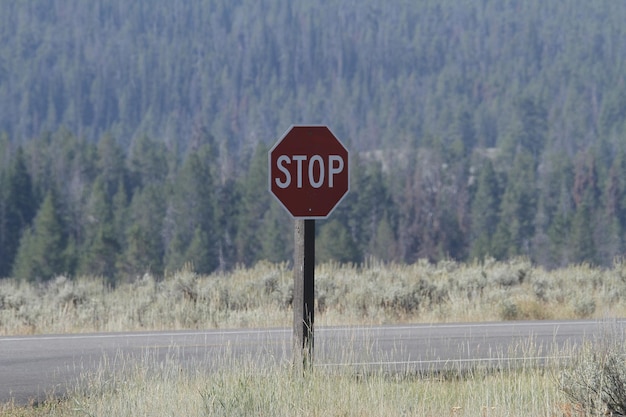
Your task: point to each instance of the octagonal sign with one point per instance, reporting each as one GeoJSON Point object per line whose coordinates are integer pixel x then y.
{"type": "Point", "coordinates": [309, 171]}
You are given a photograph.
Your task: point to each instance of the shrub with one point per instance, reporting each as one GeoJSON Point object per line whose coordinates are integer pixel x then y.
{"type": "Point", "coordinates": [595, 381]}
{"type": "Point", "coordinates": [585, 307]}
{"type": "Point", "coordinates": [509, 310]}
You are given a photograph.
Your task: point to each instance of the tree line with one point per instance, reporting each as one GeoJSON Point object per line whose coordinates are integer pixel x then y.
{"type": "Point", "coordinates": [135, 133]}
{"type": "Point", "coordinates": [382, 75]}
{"type": "Point", "coordinates": [72, 206]}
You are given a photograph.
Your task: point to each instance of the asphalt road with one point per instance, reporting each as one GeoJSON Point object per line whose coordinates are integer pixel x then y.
{"type": "Point", "coordinates": [33, 368]}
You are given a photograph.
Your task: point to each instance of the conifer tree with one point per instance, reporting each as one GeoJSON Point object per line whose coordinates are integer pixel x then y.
{"type": "Point", "coordinates": [484, 212]}
{"type": "Point", "coordinates": [276, 233]}
{"type": "Point", "coordinates": [517, 209]}
{"type": "Point", "coordinates": [615, 190]}
{"type": "Point", "coordinates": [558, 208]}
{"type": "Point", "coordinates": [100, 250]}
{"type": "Point", "coordinates": [582, 242]}
{"type": "Point", "coordinates": [227, 216]}
{"type": "Point", "coordinates": [385, 245]}
{"type": "Point", "coordinates": [586, 195]}
{"type": "Point", "coordinates": [41, 254]}
{"type": "Point", "coordinates": [199, 254]}
{"type": "Point", "coordinates": [191, 215]}
{"type": "Point", "coordinates": [17, 209]}
{"type": "Point", "coordinates": [111, 164]}
{"type": "Point", "coordinates": [366, 203]}
{"type": "Point", "coordinates": [120, 214]}
{"type": "Point", "coordinates": [147, 162]}
{"type": "Point", "coordinates": [6, 256]}
{"type": "Point", "coordinates": [255, 202]}
{"type": "Point", "coordinates": [144, 245]}
{"type": "Point", "coordinates": [335, 243]}
{"type": "Point", "coordinates": [609, 219]}
{"type": "Point", "coordinates": [528, 129]}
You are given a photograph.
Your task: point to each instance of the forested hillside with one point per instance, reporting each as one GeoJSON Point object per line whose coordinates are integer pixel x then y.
{"type": "Point", "coordinates": [135, 134]}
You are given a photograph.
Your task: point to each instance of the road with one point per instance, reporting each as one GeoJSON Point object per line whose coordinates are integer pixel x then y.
{"type": "Point", "coordinates": [35, 367]}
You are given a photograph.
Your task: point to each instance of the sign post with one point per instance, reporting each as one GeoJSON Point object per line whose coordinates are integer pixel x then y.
{"type": "Point", "coordinates": [309, 175]}
{"type": "Point", "coordinates": [304, 289]}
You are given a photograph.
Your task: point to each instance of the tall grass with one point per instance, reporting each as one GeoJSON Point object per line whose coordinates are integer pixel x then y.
{"type": "Point", "coordinates": [580, 383]}
{"type": "Point", "coordinates": [261, 296]}
{"type": "Point", "coordinates": [595, 379]}
{"type": "Point", "coordinates": [345, 294]}
{"type": "Point", "coordinates": [246, 389]}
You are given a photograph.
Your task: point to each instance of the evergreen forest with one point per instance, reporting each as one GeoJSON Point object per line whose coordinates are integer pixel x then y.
{"type": "Point", "coordinates": [134, 135]}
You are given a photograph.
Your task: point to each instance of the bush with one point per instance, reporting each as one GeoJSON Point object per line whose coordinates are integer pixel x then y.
{"type": "Point", "coordinates": [596, 380]}
{"type": "Point", "coordinates": [509, 310]}
{"type": "Point", "coordinates": [584, 306]}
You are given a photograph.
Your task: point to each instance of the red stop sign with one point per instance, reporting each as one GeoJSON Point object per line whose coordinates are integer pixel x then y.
{"type": "Point", "coordinates": [309, 171]}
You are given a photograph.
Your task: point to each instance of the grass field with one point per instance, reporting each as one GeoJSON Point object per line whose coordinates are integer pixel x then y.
{"type": "Point", "coordinates": [346, 295]}
{"type": "Point", "coordinates": [161, 390]}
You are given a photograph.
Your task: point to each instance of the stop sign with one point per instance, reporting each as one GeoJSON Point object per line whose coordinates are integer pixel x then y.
{"type": "Point", "coordinates": [309, 171]}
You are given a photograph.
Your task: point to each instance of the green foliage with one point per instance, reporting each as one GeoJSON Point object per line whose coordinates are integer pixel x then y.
{"type": "Point", "coordinates": [173, 113]}
{"type": "Point", "coordinates": [99, 253]}
{"type": "Point", "coordinates": [384, 246]}
{"type": "Point", "coordinates": [276, 232]}
{"type": "Point", "coordinates": [254, 204]}
{"type": "Point", "coordinates": [335, 243]}
{"type": "Point", "coordinates": [133, 69]}
{"type": "Point", "coordinates": [145, 249]}
{"type": "Point", "coordinates": [517, 209]}
{"type": "Point", "coordinates": [596, 378]}
{"type": "Point", "coordinates": [17, 208]}
{"type": "Point", "coordinates": [484, 211]}
{"type": "Point", "coordinates": [41, 254]}
{"type": "Point", "coordinates": [346, 294]}
{"type": "Point", "coordinates": [191, 214]}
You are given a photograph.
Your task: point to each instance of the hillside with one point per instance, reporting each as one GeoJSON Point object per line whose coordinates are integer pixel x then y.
{"type": "Point", "coordinates": [486, 128]}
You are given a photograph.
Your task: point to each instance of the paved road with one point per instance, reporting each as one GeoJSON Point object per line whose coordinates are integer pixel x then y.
{"type": "Point", "coordinates": [34, 367]}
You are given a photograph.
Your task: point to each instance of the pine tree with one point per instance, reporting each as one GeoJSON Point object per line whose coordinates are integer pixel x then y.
{"type": "Point", "coordinates": [144, 246]}
{"type": "Point", "coordinates": [111, 164]}
{"type": "Point", "coordinates": [517, 210]}
{"type": "Point", "coordinates": [120, 214]}
{"type": "Point", "coordinates": [147, 162]}
{"type": "Point", "coordinates": [529, 128]}
{"type": "Point", "coordinates": [581, 242]}
{"type": "Point", "coordinates": [615, 189]}
{"type": "Point", "coordinates": [276, 232]}
{"type": "Point", "coordinates": [465, 131]}
{"type": "Point", "coordinates": [198, 253]}
{"type": "Point", "coordinates": [101, 247]}
{"type": "Point", "coordinates": [484, 212]}
{"type": "Point", "coordinates": [610, 220]}
{"type": "Point", "coordinates": [335, 243]}
{"type": "Point", "coordinates": [17, 209]}
{"type": "Point", "coordinates": [41, 254]}
{"type": "Point", "coordinates": [227, 216]}
{"type": "Point", "coordinates": [255, 202]}
{"type": "Point", "coordinates": [366, 203]}
{"type": "Point", "coordinates": [6, 255]}
{"type": "Point", "coordinates": [192, 215]}
{"type": "Point", "coordinates": [559, 233]}
{"type": "Point", "coordinates": [385, 245]}
{"type": "Point", "coordinates": [586, 195]}
{"type": "Point", "coordinates": [558, 207]}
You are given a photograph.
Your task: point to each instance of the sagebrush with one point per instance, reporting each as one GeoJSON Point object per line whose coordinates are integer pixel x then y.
{"type": "Point", "coordinates": [261, 296]}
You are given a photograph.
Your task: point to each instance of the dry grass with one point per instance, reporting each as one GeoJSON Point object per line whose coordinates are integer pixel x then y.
{"type": "Point", "coordinates": [163, 389]}
{"type": "Point", "coordinates": [346, 295]}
